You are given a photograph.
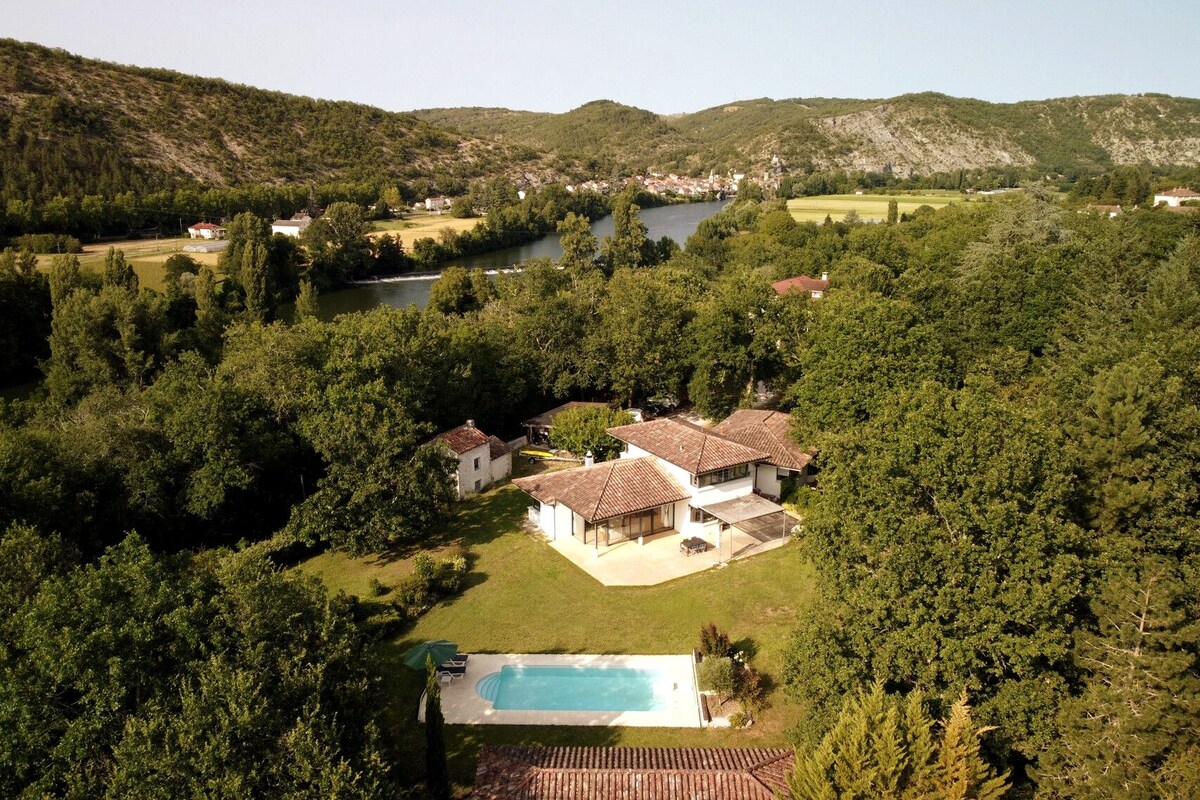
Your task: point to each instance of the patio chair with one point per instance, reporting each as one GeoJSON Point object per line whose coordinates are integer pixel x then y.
{"type": "Point", "coordinates": [451, 672]}
{"type": "Point", "coordinates": [457, 660]}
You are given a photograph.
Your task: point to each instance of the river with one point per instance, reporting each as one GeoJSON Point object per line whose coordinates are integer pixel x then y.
{"type": "Point", "coordinates": [677, 221]}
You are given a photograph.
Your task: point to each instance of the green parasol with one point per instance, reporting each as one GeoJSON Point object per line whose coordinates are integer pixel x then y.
{"type": "Point", "coordinates": [441, 650]}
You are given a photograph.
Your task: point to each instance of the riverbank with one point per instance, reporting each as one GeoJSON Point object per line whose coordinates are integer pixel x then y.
{"type": "Point", "coordinates": [678, 221]}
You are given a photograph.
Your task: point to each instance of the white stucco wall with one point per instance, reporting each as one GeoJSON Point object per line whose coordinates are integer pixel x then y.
{"type": "Point", "coordinates": [468, 473]}
{"type": "Point", "coordinates": [501, 467]}
{"type": "Point", "coordinates": [701, 496]}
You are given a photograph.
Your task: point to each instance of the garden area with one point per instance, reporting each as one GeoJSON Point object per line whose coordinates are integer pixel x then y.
{"type": "Point", "coordinates": [520, 596]}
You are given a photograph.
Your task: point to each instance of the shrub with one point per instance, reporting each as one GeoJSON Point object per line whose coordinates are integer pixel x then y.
{"type": "Point", "coordinates": [423, 568]}
{"type": "Point", "coordinates": [429, 582]}
{"type": "Point", "coordinates": [450, 573]}
{"type": "Point", "coordinates": [413, 597]}
{"type": "Point", "coordinates": [739, 719]}
{"type": "Point", "coordinates": [713, 642]}
{"type": "Point", "coordinates": [377, 588]}
{"type": "Point", "coordinates": [749, 689]}
{"type": "Point", "coordinates": [716, 675]}
{"type": "Point", "coordinates": [48, 243]}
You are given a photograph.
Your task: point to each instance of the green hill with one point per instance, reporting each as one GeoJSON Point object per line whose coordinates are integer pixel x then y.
{"type": "Point", "coordinates": [78, 126]}
{"type": "Point", "coordinates": [919, 133]}
{"type": "Point", "coordinates": [75, 126]}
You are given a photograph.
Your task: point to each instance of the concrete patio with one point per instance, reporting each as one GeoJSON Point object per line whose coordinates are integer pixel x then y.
{"type": "Point", "coordinates": [657, 560]}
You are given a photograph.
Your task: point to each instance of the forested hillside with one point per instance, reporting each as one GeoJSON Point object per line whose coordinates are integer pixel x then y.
{"type": "Point", "coordinates": [920, 133]}
{"type": "Point", "coordinates": [73, 126]}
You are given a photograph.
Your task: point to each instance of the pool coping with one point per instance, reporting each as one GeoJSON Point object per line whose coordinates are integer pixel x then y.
{"type": "Point", "coordinates": [461, 704]}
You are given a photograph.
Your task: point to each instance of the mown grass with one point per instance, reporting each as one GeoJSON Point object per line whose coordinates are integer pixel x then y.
{"type": "Point", "coordinates": [146, 256]}
{"type": "Point", "coordinates": [868, 206]}
{"type": "Point", "coordinates": [421, 226]}
{"type": "Point", "coordinates": [521, 596]}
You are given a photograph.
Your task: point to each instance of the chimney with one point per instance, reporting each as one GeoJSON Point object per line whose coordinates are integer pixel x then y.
{"type": "Point", "coordinates": [589, 459]}
{"type": "Point", "coordinates": [824, 276]}
{"type": "Point", "coordinates": [470, 423]}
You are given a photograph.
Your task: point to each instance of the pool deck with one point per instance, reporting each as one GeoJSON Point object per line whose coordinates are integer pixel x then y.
{"type": "Point", "coordinates": [462, 705]}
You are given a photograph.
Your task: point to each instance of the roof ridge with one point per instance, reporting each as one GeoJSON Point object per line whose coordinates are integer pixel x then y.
{"type": "Point", "coordinates": [604, 489]}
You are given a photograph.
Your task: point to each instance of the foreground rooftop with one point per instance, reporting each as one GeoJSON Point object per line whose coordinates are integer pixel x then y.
{"type": "Point", "coordinates": [653, 773]}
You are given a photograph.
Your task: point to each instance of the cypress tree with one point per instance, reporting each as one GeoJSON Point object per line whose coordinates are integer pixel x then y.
{"type": "Point", "coordinates": [437, 776]}
{"type": "Point", "coordinates": [118, 272]}
{"type": "Point", "coordinates": [306, 301]}
{"type": "Point", "coordinates": [64, 277]}
{"type": "Point", "coordinates": [259, 305]}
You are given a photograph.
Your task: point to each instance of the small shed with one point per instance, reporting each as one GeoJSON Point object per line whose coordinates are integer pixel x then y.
{"type": "Point", "coordinates": [537, 429]}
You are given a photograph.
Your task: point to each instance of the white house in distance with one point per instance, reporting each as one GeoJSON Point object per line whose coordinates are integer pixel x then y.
{"type": "Point", "coordinates": [482, 459]}
{"type": "Point", "coordinates": [291, 227]}
{"type": "Point", "coordinates": [1175, 197]}
{"type": "Point", "coordinates": [672, 478]}
{"type": "Point", "coordinates": [437, 203]}
{"type": "Point", "coordinates": [206, 230]}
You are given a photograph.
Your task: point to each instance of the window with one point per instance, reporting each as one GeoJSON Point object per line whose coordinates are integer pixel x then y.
{"type": "Point", "coordinates": [784, 474]}
{"type": "Point", "coordinates": [723, 475]}
{"type": "Point", "coordinates": [476, 462]}
{"type": "Point", "coordinates": [700, 515]}
{"type": "Point", "coordinates": [477, 483]}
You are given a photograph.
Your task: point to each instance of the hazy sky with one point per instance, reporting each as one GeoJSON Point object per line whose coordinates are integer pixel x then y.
{"type": "Point", "coordinates": [667, 56]}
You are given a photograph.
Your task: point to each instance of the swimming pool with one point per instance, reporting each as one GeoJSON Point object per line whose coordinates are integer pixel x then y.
{"type": "Point", "coordinates": [576, 688]}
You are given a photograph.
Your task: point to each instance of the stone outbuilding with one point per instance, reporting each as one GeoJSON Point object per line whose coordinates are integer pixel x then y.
{"type": "Point", "coordinates": [482, 459]}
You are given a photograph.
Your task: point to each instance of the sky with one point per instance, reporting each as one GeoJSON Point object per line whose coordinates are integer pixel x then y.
{"type": "Point", "coordinates": [667, 56]}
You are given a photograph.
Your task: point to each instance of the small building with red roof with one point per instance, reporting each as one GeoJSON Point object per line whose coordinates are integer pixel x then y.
{"type": "Point", "coordinates": [206, 230]}
{"type": "Point", "coordinates": [482, 459]}
{"type": "Point", "coordinates": [813, 287]}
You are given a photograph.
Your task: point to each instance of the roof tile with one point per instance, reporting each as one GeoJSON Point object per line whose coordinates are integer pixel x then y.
{"type": "Point", "coordinates": [606, 490]}
{"type": "Point", "coordinates": [463, 439]}
{"type": "Point", "coordinates": [654, 773]}
{"type": "Point", "coordinates": [687, 446]}
{"type": "Point", "coordinates": [765, 430]}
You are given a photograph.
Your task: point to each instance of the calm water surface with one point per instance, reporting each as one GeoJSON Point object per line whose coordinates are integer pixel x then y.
{"type": "Point", "coordinates": [679, 222]}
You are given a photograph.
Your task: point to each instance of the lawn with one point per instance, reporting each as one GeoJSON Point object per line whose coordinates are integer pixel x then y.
{"type": "Point", "coordinates": [522, 596]}
{"type": "Point", "coordinates": [146, 256]}
{"type": "Point", "coordinates": [421, 226]}
{"type": "Point", "coordinates": [868, 206]}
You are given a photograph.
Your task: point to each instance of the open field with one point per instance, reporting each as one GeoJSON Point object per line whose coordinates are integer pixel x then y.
{"type": "Point", "coordinates": [146, 256]}
{"type": "Point", "coordinates": [868, 206]}
{"type": "Point", "coordinates": [521, 596]}
{"type": "Point", "coordinates": [421, 226]}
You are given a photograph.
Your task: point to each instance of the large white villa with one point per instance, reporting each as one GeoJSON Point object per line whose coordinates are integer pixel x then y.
{"type": "Point", "coordinates": [675, 478]}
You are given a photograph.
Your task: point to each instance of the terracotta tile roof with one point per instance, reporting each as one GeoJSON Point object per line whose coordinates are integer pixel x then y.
{"type": "Point", "coordinates": [1178, 191]}
{"type": "Point", "coordinates": [207, 226]}
{"type": "Point", "coordinates": [624, 773]}
{"type": "Point", "coordinates": [462, 439]}
{"type": "Point", "coordinates": [687, 446]}
{"type": "Point", "coordinates": [606, 490]}
{"type": "Point", "coordinates": [546, 419]}
{"type": "Point", "coordinates": [497, 448]}
{"type": "Point", "coordinates": [765, 430]}
{"type": "Point", "coordinates": [801, 282]}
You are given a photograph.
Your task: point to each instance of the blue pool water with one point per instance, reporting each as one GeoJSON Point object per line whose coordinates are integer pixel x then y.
{"type": "Point", "coordinates": [574, 689]}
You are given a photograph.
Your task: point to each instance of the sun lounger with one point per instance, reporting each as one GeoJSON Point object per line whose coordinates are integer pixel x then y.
{"type": "Point", "coordinates": [457, 660]}
{"type": "Point", "coordinates": [451, 672]}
